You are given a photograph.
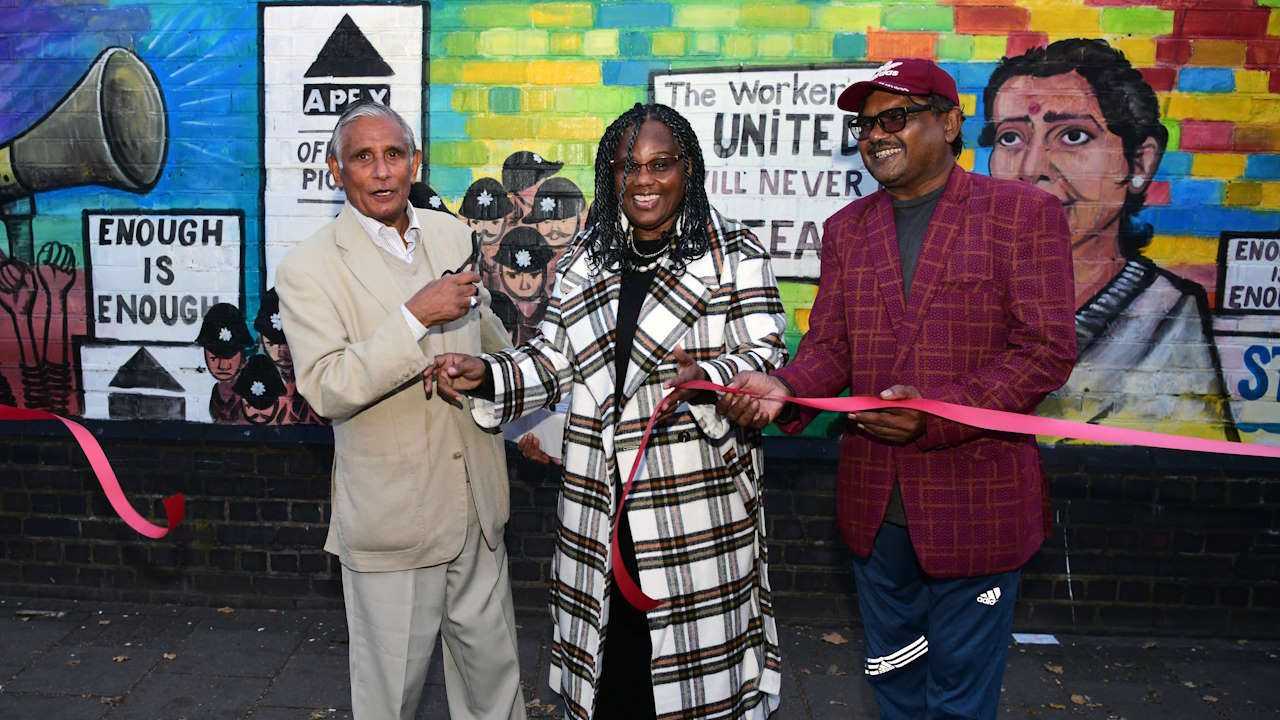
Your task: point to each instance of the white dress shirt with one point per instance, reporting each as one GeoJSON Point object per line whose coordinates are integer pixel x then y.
{"type": "Point", "coordinates": [387, 238]}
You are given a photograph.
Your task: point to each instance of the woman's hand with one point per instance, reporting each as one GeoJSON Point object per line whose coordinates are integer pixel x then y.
{"type": "Point", "coordinates": [686, 371]}
{"type": "Point", "coordinates": [531, 448]}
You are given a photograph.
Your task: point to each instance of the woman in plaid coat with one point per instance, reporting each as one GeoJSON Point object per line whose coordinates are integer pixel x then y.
{"type": "Point", "coordinates": [659, 289]}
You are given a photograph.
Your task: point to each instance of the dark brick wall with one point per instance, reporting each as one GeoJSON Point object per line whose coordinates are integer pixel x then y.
{"type": "Point", "coordinates": [1146, 541]}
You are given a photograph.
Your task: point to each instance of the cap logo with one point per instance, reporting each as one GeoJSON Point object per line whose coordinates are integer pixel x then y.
{"type": "Point", "coordinates": [275, 321]}
{"type": "Point", "coordinates": [547, 204]}
{"type": "Point", "coordinates": [889, 69]}
{"type": "Point", "coordinates": [434, 201]}
{"type": "Point", "coordinates": [484, 198]}
{"type": "Point", "coordinates": [224, 334]}
{"type": "Point", "coordinates": [523, 258]}
{"type": "Point", "coordinates": [258, 389]}
{"type": "Point", "coordinates": [537, 158]}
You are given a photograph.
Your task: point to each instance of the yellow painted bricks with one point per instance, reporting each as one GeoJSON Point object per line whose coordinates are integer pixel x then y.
{"type": "Point", "coordinates": [1264, 108]}
{"type": "Point", "coordinates": [493, 72]}
{"type": "Point", "coordinates": [564, 72]}
{"type": "Point", "coordinates": [469, 99]}
{"type": "Point", "coordinates": [572, 127]}
{"type": "Point", "coordinates": [602, 42]}
{"type": "Point", "coordinates": [500, 126]}
{"type": "Point", "coordinates": [1065, 21]}
{"type": "Point", "coordinates": [1242, 193]}
{"type": "Point", "coordinates": [848, 18]}
{"type": "Point", "coordinates": [1183, 249]}
{"type": "Point", "coordinates": [1252, 81]}
{"type": "Point", "coordinates": [536, 99]}
{"type": "Point", "coordinates": [507, 42]}
{"type": "Point", "coordinates": [1224, 166]}
{"type": "Point", "coordinates": [1259, 195]}
{"type": "Point", "coordinates": [560, 15]}
{"type": "Point", "coordinates": [1270, 199]}
{"type": "Point", "coordinates": [739, 45]}
{"type": "Point", "coordinates": [706, 43]}
{"type": "Point", "coordinates": [812, 44]}
{"type": "Point", "coordinates": [774, 45]}
{"type": "Point", "coordinates": [444, 71]}
{"type": "Point", "coordinates": [668, 43]}
{"type": "Point", "coordinates": [1213, 106]}
{"type": "Point", "coordinates": [567, 43]}
{"type": "Point", "coordinates": [460, 44]}
{"type": "Point", "coordinates": [989, 47]}
{"type": "Point", "coordinates": [774, 15]}
{"type": "Point", "coordinates": [1139, 51]}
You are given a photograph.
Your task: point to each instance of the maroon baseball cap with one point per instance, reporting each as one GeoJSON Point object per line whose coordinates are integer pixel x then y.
{"type": "Point", "coordinates": [904, 76]}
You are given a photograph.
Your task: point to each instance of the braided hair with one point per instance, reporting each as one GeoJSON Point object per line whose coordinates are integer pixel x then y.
{"type": "Point", "coordinates": [606, 240]}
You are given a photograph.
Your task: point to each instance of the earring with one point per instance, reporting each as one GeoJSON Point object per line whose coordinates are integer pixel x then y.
{"type": "Point", "coordinates": [1137, 182]}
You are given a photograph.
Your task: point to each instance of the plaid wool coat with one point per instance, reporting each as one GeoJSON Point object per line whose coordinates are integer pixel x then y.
{"type": "Point", "coordinates": [695, 509]}
{"type": "Point", "coordinates": [989, 323]}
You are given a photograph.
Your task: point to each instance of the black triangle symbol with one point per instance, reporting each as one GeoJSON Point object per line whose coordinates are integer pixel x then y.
{"type": "Point", "coordinates": [348, 53]}
{"type": "Point", "coordinates": [143, 371]}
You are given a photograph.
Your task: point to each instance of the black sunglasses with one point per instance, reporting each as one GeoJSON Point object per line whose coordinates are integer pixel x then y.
{"type": "Point", "coordinates": [891, 120]}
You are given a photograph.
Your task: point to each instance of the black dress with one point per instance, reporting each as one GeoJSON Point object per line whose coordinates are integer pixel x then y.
{"type": "Point", "coordinates": [626, 686]}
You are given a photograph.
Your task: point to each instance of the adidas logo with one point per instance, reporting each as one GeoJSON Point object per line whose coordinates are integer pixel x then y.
{"type": "Point", "coordinates": [990, 597]}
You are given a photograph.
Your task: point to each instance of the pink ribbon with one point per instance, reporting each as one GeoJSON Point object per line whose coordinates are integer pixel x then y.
{"type": "Point", "coordinates": [995, 420]}
{"type": "Point", "coordinates": [174, 505]}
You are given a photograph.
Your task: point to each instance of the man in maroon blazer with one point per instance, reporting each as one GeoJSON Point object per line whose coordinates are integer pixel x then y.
{"type": "Point", "coordinates": [952, 286]}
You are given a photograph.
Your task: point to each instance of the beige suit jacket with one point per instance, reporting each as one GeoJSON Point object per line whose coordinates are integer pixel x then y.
{"type": "Point", "coordinates": [401, 461]}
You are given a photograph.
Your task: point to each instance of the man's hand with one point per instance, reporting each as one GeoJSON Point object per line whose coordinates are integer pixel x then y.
{"type": "Point", "coordinates": [531, 448]}
{"type": "Point", "coordinates": [444, 299]}
{"type": "Point", "coordinates": [686, 371]}
{"type": "Point", "coordinates": [896, 425]}
{"type": "Point", "coordinates": [749, 411]}
{"type": "Point", "coordinates": [456, 373]}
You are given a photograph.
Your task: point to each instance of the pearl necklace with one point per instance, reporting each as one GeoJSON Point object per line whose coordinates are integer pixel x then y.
{"type": "Point", "coordinates": [654, 258]}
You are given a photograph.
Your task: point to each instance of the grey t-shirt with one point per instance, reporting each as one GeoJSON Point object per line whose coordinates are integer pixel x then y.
{"type": "Point", "coordinates": [911, 217]}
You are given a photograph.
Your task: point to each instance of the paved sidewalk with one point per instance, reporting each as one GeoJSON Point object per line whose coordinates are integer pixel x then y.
{"type": "Point", "coordinates": [86, 660]}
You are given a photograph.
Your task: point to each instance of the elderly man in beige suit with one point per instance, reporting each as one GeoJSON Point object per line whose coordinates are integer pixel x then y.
{"type": "Point", "coordinates": [420, 494]}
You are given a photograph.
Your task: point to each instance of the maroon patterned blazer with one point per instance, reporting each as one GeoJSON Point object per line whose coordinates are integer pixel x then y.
{"type": "Point", "coordinates": [989, 323]}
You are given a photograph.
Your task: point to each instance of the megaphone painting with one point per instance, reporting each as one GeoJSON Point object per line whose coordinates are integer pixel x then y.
{"type": "Point", "coordinates": [109, 130]}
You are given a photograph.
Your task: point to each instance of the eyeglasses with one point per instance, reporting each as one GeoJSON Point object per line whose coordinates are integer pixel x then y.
{"type": "Point", "coordinates": [658, 167]}
{"type": "Point", "coordinates": [891, 120]}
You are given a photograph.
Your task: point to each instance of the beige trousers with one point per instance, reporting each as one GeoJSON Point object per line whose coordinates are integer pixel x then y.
{"type": "Point", "coordinates": [393, 619]}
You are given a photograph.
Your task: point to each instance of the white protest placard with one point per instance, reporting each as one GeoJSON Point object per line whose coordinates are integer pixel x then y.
{"type": "Point", "coordinates": [779, 154]}
{"type": "Point", "coordinates": [316, 61]}
{"type": "Point", "coordinates": [1250, 267]}
{"type": "Point", "coordinates": [154, 274]}
{"type": "Point", "coordinates": [123, 381]}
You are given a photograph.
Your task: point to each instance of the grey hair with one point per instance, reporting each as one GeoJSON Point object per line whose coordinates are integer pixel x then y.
{"type": "Point", "coordinates": [363, 110]}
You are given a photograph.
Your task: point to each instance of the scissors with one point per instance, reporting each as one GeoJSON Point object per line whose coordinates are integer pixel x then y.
{"type": "Point", "coordinates": [470, 263]}
{"type": "Point", "coordinates": [467, 265]}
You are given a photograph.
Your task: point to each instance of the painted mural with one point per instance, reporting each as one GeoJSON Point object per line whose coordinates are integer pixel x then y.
{"type": "Point", "coordinates": [157, 159]}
